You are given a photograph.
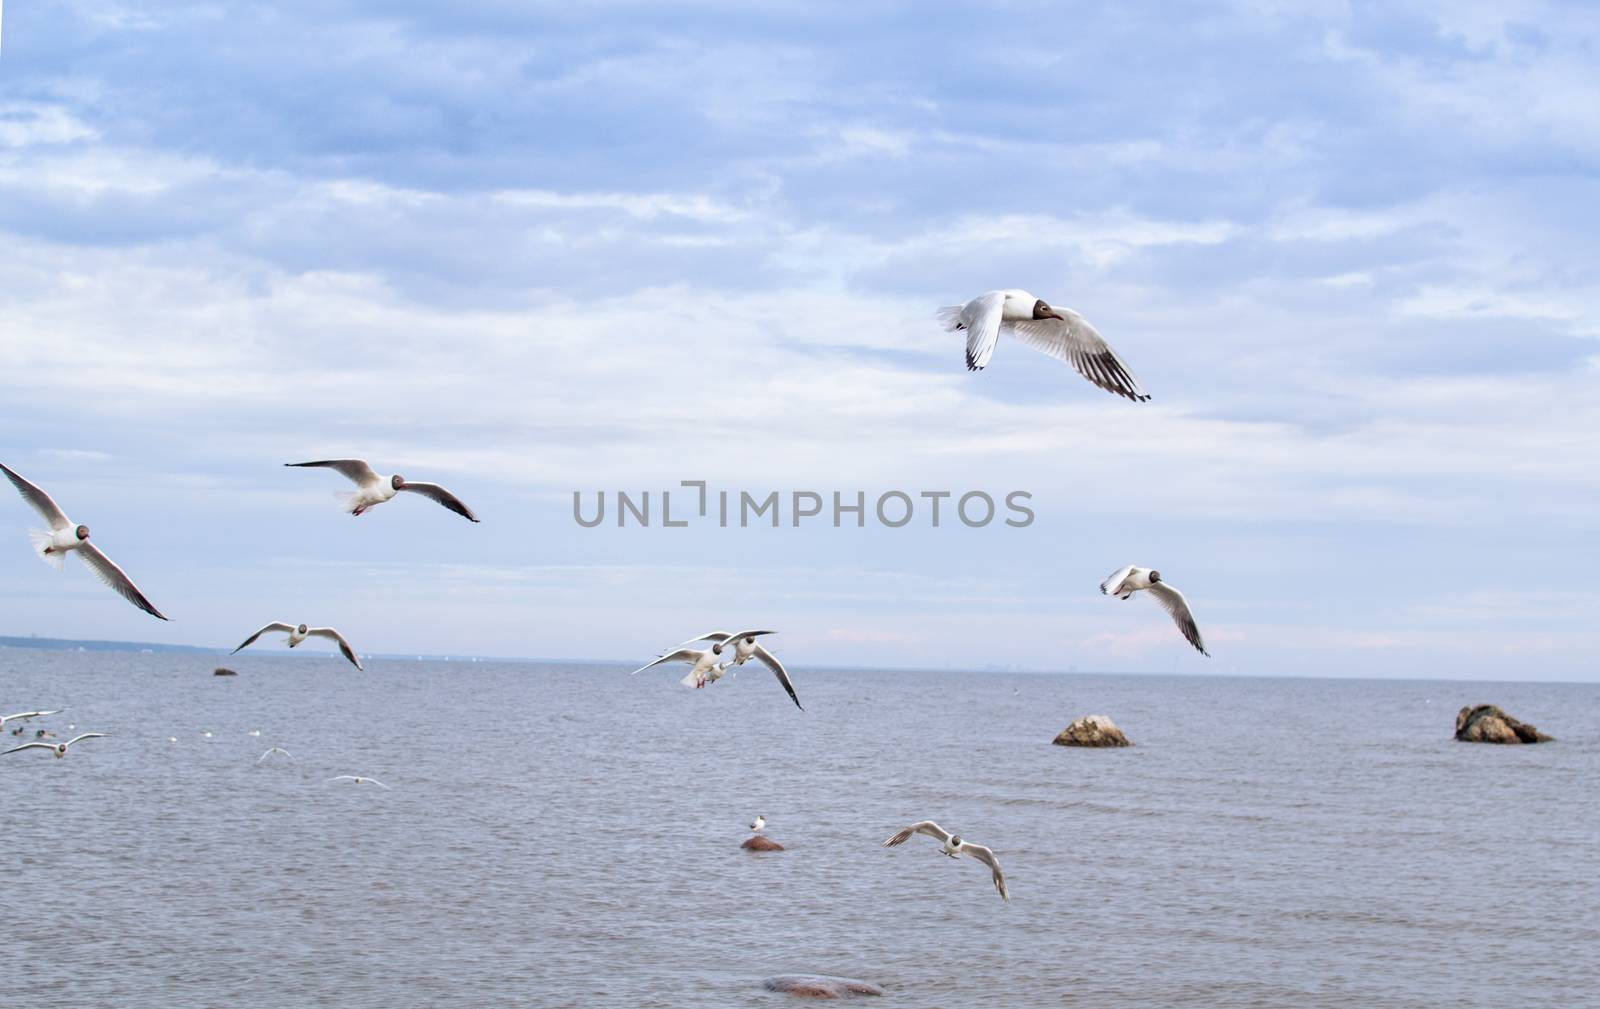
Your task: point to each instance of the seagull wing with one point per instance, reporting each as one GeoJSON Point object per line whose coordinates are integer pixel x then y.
{"type": "Point", "coordinates": [986, 856]}
{"type": "Point", "coordinates": [1113, 585]}
{"type": "Point", "coordinates": [1074, 341]}
{"type": "Point", "coordinates": [690, 655]}
{"type": "Point", "coordinates": [40, 501]}
{"type": "Point", "coordinates": [434, 492]}
{"type": "Point", "coordinates": [920, 827]}
{"type": "Point", "coordinates": [355, 470]}
{"type": "Point", "coordinates": [980, 317]}
{"type": "Point", "coordinates": [276, 625]}
{"type": "Point", "coordinates": [25, 715]}
{"type": "Point", "coordinates": [86, 735]}
{"type": "Point", "coordinates": [1173, 602]}
{"type": "Point", "coordinates": [778, 671]}
{"type": "Point", "coordinates": [342, 777]}
{"type": "Point", "coordinates": [107, 571]}
{"type": "Point", "coordinates": [715, 637]}
{"type": "Point", "coordinates": [29, 746]}
{"type": "Point", "coordinates": [344, 646]}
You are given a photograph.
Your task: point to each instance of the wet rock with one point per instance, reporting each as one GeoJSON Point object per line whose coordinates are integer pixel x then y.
{"type": "Point", "coordinates": [760, 843]}
{"type": "Point", "coordinates": [1486, 723]}
{"type": "Point", "coordinates": [820, 986]}
{"type": "Point", "coordinates": [223, 671]}
{"type": "Point", "coordinates": [1092, 730]}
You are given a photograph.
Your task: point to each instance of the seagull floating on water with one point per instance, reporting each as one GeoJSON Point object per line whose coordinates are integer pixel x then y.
{"type": "Point", "coordinates": [745, 647]}
{"type": "Point", "coordinates": [955, 848]}
{"type": "Point", "coordinates": [275, 749]}
{"type": "Point", "coordinates": [703, 666]}
{"type": "Point", "coordinates": [64, 537]}
{"type": "Point", "coordinates": [59, 749]}
{"type": "Point", "coordinates": [355, 779]}
{"type": "Point", "coordinates": [1125, 582]}
{"type": "Point", "coordinates": [1059, 332]}
{"type": "Point", "coordinates": [373, 490]}
{"type": "Point", "coordinates": [23, 716]}
{"type": "Point", "coordinates": [299, 632]}
{"type": "Point", "coordinates": [758, 824]}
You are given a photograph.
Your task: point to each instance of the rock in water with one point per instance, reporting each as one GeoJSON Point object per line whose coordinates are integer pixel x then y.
{"type": "Point", "coordinates": [1486, 723]}
{"type": "Point", "coordinates": [1092, 730]}
{"type": "Point", "coordinates": [820, 986]}
{"type": "Point", "coordinates": [759, 843]}
{"type": "Point", "coordinates": [223, 671]}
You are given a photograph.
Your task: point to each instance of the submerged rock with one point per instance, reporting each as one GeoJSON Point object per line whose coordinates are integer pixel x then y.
{"type": "Point", "coordinates": [223, 671]}
{"type": "Point", "coordinates": [1486, 723]}
{"type": "Point", "coordinates": [820, 986]}
{"type": "Point", "coordinates": [1092, 730]}
{"type": "Point", "coordinates": [760, 843]}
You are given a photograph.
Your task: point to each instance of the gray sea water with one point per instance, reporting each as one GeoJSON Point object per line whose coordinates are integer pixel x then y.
{"type": "Point", "coordinates": [569, 837]}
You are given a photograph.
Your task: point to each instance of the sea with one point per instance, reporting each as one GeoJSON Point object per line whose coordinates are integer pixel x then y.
{"type": "Point", "coordinates": [569, 835]}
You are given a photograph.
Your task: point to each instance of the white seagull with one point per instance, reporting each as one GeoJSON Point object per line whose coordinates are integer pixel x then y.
{"type": "Point", "coordinates": [1059, 332]}
{"type": "Point", "coordinates": [373, 490]}
{"type": "Point", "coordinates": [275, 749]}
{"type": "Point", "coordinates": [357, 780]}
{"type": "Point", "coordinates": [758, 824]}
{"type": "Point", "coordinates": [64, 537]}
{"type": "Point", "coordinates": [703, 666]}
{"type": "Point", "coordinates": [955, 848]}
{"type": "Point", "coordinates": [745, 647]}
{"type": "Point", "coordinates": [299, 632]}
{"type": "Point", "coordinates": [59, 749]}
{"type": "Point", "coordinates": [23, 716]}
{"type": "Point", "coordinates": [1125, 582]}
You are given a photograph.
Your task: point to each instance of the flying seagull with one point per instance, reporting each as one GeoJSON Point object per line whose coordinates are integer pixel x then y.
{"type": "Point", "coordinates": [275, 749]}
{"type": "Point", "coordinates": [1059, 332]}
{"type": "Point", "coordinates": [23, 716]}
{"type": "Point", "coordinates": [354, 779]}
{"type": "Point", "coordinates": [373, 490]}
{"type": "Point", "coordinates": [64, 537]}
{"type": "Point", "coordinates": [955, 848]}
{"type": "Point", "coordinates": [1125, 582]}
{"type": "Point", "coordinates": [59, 749]}
{"type": "Point", "coordinates": [299, 632]}
{"type": "Point", "coordinates": [703, 666]}
{"type": "Point", "coordinates": [745, 647]}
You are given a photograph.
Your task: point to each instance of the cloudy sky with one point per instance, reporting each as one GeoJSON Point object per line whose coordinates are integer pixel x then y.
{"type": "Point", "coordinates": [528, 249]}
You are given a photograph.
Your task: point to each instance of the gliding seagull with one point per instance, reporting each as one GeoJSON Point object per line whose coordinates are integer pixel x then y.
{"type": "Point", "coordinates": [1059, 332]}
{"type": "Point", "coordinates": [298, 633]}
{"type": "Point", "coordinates": [275, 749]}
{"type": "Point", "coordinates": [63, 537]}
{"type": "Point", "coordinates": [59, 749]}
{"type": "Point", "coordinates": [955, 848]}
{"type": "Point", "coordinates": [373, 490]}
{"type": "Point", "coordinates": [745, 647]}
{"type": "Point", "coordinates": [1131, 579]}
{"type": "Point", "coordinates": [703, 665]}
{"type": "Point", "coordinates": [357, 780]}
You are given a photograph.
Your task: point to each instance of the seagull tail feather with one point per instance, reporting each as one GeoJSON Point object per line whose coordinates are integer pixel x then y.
{"type": "Point", "coordinates": [41, 542]}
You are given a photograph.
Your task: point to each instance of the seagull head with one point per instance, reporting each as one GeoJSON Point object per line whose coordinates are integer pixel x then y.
{"type": "Point", "coordinates": [301, 629]}
{"type": "Point", "coordinates": [398, 482]}
{"type": "Point", "coordinates": [1155, 576]}
{"type": "Point", "coordinates": [1044, 311]}
{"type": "Point", "coordinates": [61, 750]}
{"type": "Point", "coordinates": [716, 649]}
{"type": "Point", "coordinates": [951, 845]}
{"type": "Point", "coordinates": [82, 532]}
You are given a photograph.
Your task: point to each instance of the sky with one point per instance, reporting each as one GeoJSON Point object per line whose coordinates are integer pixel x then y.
{"type": "Point", "coordinates": [527, 250]}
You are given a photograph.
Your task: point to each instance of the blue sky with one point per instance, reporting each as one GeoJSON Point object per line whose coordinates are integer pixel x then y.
{"type": "Point", "coordinates": [527, 249]}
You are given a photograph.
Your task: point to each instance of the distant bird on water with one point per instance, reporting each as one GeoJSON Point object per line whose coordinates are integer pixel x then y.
{"type": "Point", "coordinates": [745, 646]}
{"type": "Point", "coordinates": [703, 666]}
{"type": "Point", "coordinates": [64, 537]}
{"type": "Point", "coordinates": [1126, 581]}
{"type": "Point", "coordinates": [955, 847]}
{"type": "Point", "coordinates": [59, 749]}
{"type": "Point", "coordinates": [357, 780]}
{"type": "Point", "coordinates": [1059, 332]}
{"type": "Point", "coordinates": [758, 824]}
{"type": "Point", "coordinates": [299, 632]}
{"type": "Point", "coordinates": [373, 490]}
{"type": "Point", "coordinates": [23, 716]}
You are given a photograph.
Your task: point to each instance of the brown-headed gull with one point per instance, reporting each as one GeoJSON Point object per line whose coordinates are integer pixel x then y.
{"type": "Point", "coordinates": [1059, 332]}
{"type": "Point", "coordinates": [373, 489]}
{"type": "Point", "coordinates": [1125, 582]}
{"type": "Point", "coordinates": [59, 749]}
{"type": "Point", "coordinates": [299, 632]}
{"type": "Point", "coordinates": [357, 780]}
{"type": "Point", "coordinates": [66, 537]}
{"type": "Point", "coordinates": [758, 824]}
{"type": "Point", "coordinates": [276, 749]}
{"type": "Point", "coordinates": [703, 666]}
{"type": "Point", "coordinates": [955, 848]}
{"type": "Point", "coordinates": [745, 647]}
